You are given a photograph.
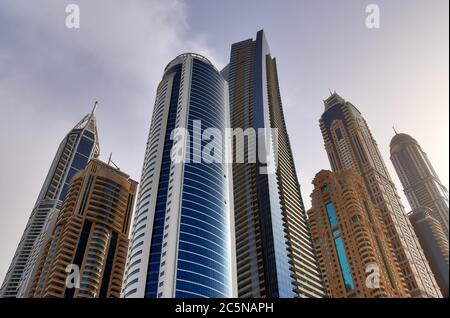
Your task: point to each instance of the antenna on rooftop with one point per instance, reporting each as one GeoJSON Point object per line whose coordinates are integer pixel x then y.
{"type": "Point", "coordinates": [94, 108]}
{"type": "Point", "coordinates": [393, 127]}
{"type": "Point", "coordinates": [111, 162]}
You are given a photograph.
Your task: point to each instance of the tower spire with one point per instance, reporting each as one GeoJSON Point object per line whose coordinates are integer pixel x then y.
{"type": "Point", "coordinates": [393, 127]}
{"type": "Point", "coordinates": [94, 108]}
{"type": "Point", "coordinates": [112, 162]}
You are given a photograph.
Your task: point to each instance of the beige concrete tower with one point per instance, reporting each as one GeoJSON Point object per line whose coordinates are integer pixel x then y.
{"type": "Point", "coordinates": [355, 256]}
{"type": "Point", "coordinates": [91, 232]}
{"type": "Point", "coordinates": [421, 184]}
{"type": "Point", "coordinates": [428, 198]}
{"type": "Point", "coordinates": [350, 144]}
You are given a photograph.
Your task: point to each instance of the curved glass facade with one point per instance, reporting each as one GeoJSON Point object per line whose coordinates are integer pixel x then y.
{"type": "Point", "coordinates": [160, 210]}
{"type": "Point", "coordinates": [181, 242]}
{"type": "Point", "coordinates": [203, 268]}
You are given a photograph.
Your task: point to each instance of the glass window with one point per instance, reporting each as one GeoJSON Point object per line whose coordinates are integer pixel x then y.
{"type": "Point", "coordinates": [331, 214]}
{"type": "Point", "coordinates": [89, 134]}
{"type": "Point", "coordinates": [338, 134]}
{"type": "Point", "coordinates": [85, 147]}
{"type": "Point", "coordinates": [345, 268]}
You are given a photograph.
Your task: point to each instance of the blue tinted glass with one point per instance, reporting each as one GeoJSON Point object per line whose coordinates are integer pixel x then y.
{"type": "Point", "coordinates": [70, 175]}
{"type": "Point", "coordinates": [345, 268]}
{"type": "Point", "coordinates": [338, 134]}
{"type": "Point", "coordinates": [64, 191]}
{"type": "Point", "coordinates": [160, 209]}
{"type": "Point", "coordinates": [202, 270]}
{"type": "Point", "coordinates": [89, 134]}
{"type": "Point", "coordinates": [331, 214]}
{"type": "Point", "coordinates": [203, 223]}
{"type": "Point", "coordinates": [79, 161]}
{"type": "Point", "coordinates": [181, 294]}
{"type": "Point", "coordinates": [198, 240]}
{"type": "Point", "coordinates": [203, 256]}
{"type": "Point", "coordinates": [209, 282]}
{"type": "Point", "coordinates": [200, 290]}
{"type": "Point", "coordinates": [204, 260]}
{"type": "Point", "coordinates": [85, 147]}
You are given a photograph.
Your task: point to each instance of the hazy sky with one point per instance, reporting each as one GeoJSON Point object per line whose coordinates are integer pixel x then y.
{"type": "Point", "coordinates": [51, 75]}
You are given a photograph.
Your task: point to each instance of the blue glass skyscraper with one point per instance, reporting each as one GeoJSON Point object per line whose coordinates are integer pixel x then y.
{"type": "Point", "coordinates": [182, 236]}
{"type": "Point", "coordinates": [75, 150]}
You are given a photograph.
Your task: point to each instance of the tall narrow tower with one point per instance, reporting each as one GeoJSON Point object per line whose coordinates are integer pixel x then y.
{"type": "Point", "coordinates": [428, 199]}
{"type": "Point", "coordinates": [434, 242]}
{"type": "Point", "coordinates": [79, 145]}
{"type": "Point", "coordinates": [273, 244]}
{"type": "Point", "coordinates": [421, 184]}
{"type": "Point", "coordinates": [349, 144]}
{"type": "Point", "coordinates": [182, 235]}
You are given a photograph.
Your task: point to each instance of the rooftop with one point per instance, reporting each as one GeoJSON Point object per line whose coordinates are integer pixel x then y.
{"type": "Point", "coordinates": [182, 56]}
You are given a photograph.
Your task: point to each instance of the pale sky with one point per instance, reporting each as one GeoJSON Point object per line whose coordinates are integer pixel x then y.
{"type": "Point", "coordinates": [51, 75]}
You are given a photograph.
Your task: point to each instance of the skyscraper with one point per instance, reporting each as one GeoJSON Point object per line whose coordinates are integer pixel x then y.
{"type": "Point", "coordinates": [350, 144]}
{"type": "Point", "coordinates": [182, 237]}
{"type": "Point", "coordinates": [90, 236]}
{"type": "Point", "coordinates": [79, 145]}
{"type": "Point", "coordinates": [349, 239]}
{"type": "Point", "coordinates": [420, 182]}
{"type": "Point", "coordinates": [274, 254]}
{"type": "Point", "coordinates": [434, 242]}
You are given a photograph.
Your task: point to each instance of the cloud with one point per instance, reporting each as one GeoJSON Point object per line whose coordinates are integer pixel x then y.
{"type": "Point", "coordinates": [117, 46]}
{"type": "Point", "coordinates": [51, 75]}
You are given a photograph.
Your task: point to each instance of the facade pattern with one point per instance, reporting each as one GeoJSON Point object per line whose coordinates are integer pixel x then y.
{"type": "Point", "coordinates": [421, 184]}
{"type": "Point", "coordinates": [343, 123]}
{"type": "Point", "coordinates": [91, 232]}
{"type": "Point", "coordinates": [350, 241]}
{"type": "Point", "coordinates": [182, 237]}
{"type": "Point", "coordinates": [274, 254]}
{"type": "Point", "coordinates": [75, 150]}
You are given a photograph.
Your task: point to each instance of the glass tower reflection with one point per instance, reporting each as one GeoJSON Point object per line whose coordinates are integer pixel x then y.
{"type": "Point", "coordinates": [182, 237]}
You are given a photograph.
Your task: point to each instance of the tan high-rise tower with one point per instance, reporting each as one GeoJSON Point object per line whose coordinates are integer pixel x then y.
{"type": "Point", "coordinates": [421, 184]}
{"type": "Point", "coordinates": [434, 241]}
{"type": "Point", "coordinates": [428, 199]}
{"type": "Point", "coordinates": [355, 256]}
{"type": "Point", "coordinates": [91, 234]}
{"type": "Point", "coordinates": [349, 144]}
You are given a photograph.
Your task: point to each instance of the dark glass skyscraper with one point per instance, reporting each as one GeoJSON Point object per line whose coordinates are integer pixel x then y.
{"type": "Point", "coordinates": [75, 150]}
{"type": "Point", "coordinates": [273, 246]}
{"type": "Point", "coordinates": [182, 237]}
